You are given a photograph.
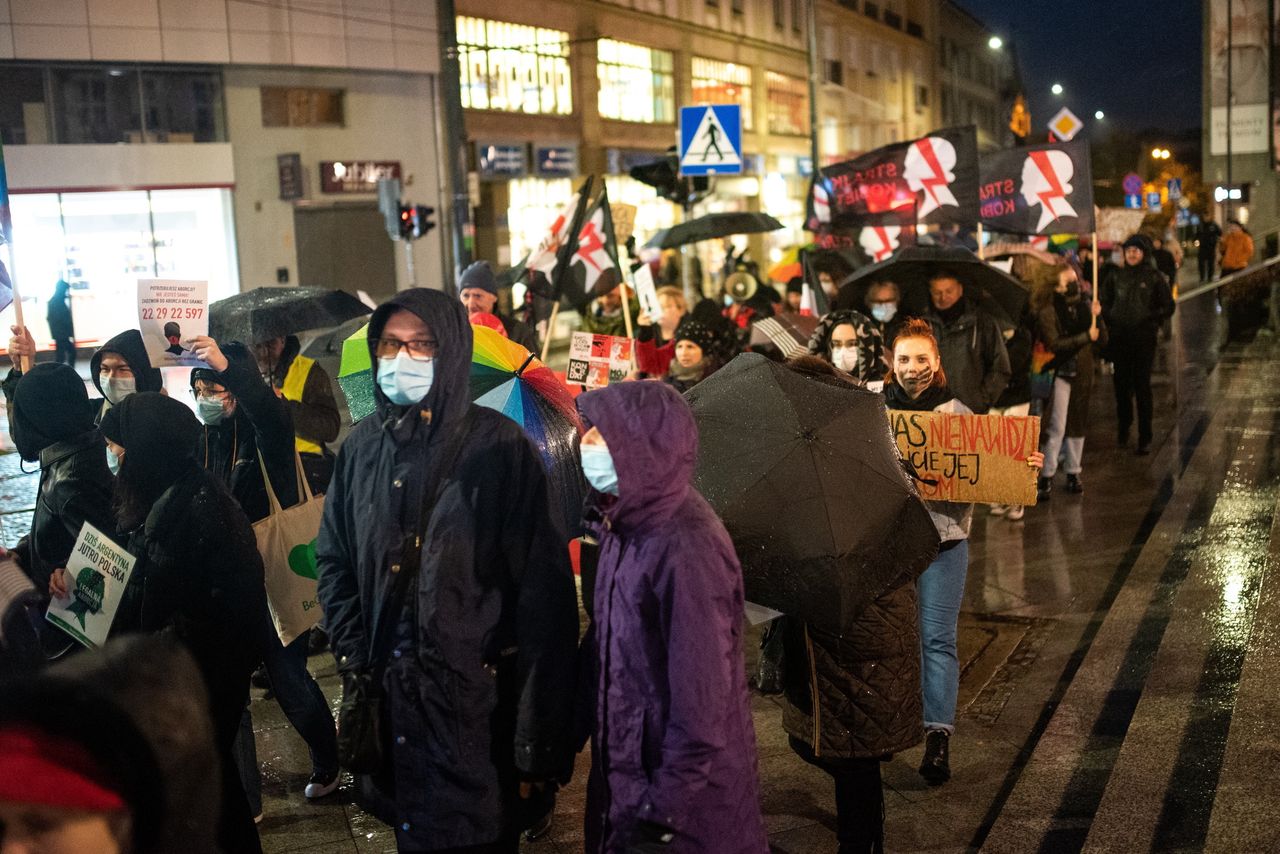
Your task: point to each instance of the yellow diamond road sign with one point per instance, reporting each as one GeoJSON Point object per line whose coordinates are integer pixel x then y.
{"type": "Point", "coordinates": [1065, 125]}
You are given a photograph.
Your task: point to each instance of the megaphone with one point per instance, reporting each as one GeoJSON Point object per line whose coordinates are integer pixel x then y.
{"type": "Point", "coordinates": [741, 286]}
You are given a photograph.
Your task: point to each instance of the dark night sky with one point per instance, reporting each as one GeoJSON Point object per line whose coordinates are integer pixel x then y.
{"type": "Point", "coordinates": [1136, 60]}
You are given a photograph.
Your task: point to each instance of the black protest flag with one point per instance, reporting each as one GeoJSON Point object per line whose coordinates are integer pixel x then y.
{"type": "Point", "coordinates": [1038, 189]}
{"type": "Point", "coordinates": [928, 181]}
{"type": "Point", "coordinates": [593, 268]}
{"type": "Point", "coordinates": [547, 266]}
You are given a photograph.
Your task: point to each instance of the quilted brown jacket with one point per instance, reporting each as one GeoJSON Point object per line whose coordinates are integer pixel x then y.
{"type": "Point", "coordinates": [856, 695]}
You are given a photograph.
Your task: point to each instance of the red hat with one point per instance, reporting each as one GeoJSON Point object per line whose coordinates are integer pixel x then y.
{"type": "Point", "coordinates": [484, 318]}
{"type": "Point", "coordinates": [37, 767]}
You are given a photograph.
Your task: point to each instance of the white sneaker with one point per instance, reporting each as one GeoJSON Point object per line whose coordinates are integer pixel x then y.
{"type": "Point", "coordinates": [1016, 512]}
{"type": "Point", "coordinates": [999, 509]}
{"type": "Point", "coordinates": [321, 785]}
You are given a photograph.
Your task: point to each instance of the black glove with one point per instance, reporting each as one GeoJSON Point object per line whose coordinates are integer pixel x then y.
{"type": "Point", "coordinates": [650, 838]}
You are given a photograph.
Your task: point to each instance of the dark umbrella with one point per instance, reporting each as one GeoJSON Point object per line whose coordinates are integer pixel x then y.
{"type": "Point", "coordinates": [910, 268]}
{"type": "Point", "coordinates": [710, 227]}
{"type": "Point", "coordinates": [265, 313]}
{"type": "Point", "coordinates": [806, 477]}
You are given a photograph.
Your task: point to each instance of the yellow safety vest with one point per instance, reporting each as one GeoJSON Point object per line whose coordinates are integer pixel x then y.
{"type": "Point", "coordinates": [294, 382]}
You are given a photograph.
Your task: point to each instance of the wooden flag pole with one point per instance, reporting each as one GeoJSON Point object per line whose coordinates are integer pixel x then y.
{"type": "Point", "coordinates": [24, 363]}
{"type": "Point", "coordinates": [1093, 318]}
{"type": "Point", "coordinates": [551, 326]}
{"type": "Point", "coordinates": [982, 252]}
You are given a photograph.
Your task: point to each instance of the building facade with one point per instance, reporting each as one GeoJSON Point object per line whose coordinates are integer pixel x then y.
{"type": "Point", "coordinates": [212, 139]}
{"type": "Point", "coordinates": [977, 82]}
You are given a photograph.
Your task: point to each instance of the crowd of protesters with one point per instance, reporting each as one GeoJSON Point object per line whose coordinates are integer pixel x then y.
{"type": "Point", "coordinates": [447, 588]}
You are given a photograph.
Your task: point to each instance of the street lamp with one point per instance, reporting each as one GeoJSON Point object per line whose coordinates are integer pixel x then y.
{"type": "Point", "coordinates": [1160, 154]}
{"type": "Point", "coordinates": [1099, 115]}
{"type": "Point", "coordinates": [995, 42]}
{"type": "Point", "coordinates": [1056, 89]}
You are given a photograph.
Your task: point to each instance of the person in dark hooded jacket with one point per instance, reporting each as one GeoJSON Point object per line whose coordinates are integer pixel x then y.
{"type": "Point", "coordinates": [478, 683]}
{"type": "Point", "coordinates": [115, 742]}
{"type": "Point", "coordinates": [198, 575]}
{"type": "Point", "coordinates": [1136, 300]}
{"type": "Point", "coordinates": [673, 756]}
{"type": "Point", "coordinates": [51, 421]}
{"type": "Point", "coordinates": [246, 427]}
{"type": "Point", "coordinates": [973, 349]}
{"type": "Point", "coordinates": [120, 368]}
{"type": "Point", "coordinates": [61, 324]}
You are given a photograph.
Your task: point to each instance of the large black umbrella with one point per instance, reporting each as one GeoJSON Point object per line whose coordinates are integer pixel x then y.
{"type": "Point", "coordinates": [911, 267]}
{"type": "Point", "coordinates": [265, 313]}
{"type": "Point", "coordinates": [710, 227]}
{"type": "Point", "coordinates": [805, 474]}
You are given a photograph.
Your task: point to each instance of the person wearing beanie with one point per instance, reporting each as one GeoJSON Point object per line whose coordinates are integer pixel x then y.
{"type": "Point", "coordinates": [695, 354]}
{"type": "Point", "coordinates": [51, 422]}
{"type": "Point", "coordinates": [1136, 301]}
{"type": "Point", "coordinates": [795, 295]}
{"type": "Point", "coordinates": [246, 429]}
{"type": "Point", "coordinates": [478, 290]}
{"type": "Point", "coordinates": [121, 367]}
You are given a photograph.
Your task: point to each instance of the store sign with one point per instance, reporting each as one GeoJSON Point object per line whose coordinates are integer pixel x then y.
{"type": "Point", "coordinates": [556, 161]}
{"type": "Point", "coordinates": [356, 176]}
{"type": "Point", "coordinates": [502, 160]}
{"type": "Point", "coordinates": [289, 171]}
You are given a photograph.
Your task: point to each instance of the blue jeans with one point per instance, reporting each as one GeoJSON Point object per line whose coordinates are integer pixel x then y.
{"type": "Point", "coordinates": [941, 590]}
{"type": "Point", "coordinates": [302, 702]}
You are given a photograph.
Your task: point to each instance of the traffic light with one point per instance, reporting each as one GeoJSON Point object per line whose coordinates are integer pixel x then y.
{"type": "Point", "coordinates": [415, 221]}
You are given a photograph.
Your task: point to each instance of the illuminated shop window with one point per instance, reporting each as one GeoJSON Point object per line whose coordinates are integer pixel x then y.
{"type": "Point", "coordinates": [636, 82]}
{"type": "Point", "coordinates": [788, 100]}
{"type": "Point", "coordinates": [513, 67]}
{"type": "Point", "coordinates": [716, 82]}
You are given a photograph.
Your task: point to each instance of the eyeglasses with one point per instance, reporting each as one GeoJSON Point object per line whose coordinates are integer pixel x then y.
{"type": "Point", "coordinates": [208, 393]}
{"type": "Point", "coordinates": [422, 349]}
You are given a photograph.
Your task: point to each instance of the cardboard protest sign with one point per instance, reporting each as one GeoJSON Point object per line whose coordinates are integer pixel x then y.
{"type": "Point", "coordinates": [171, 312]}
{"type": "Point", "coordinates": [624, 220]}
{"type": "Point", "coordinates": [969, 458]}
{"type": "Point", "coordinates": [97, 573]}
{"type": "Point", "coordinates": [647, 292]}
{"type": "Point", "coordinates": [1115, 225]}
{"type": "Point", "coordinates": [597, 360]}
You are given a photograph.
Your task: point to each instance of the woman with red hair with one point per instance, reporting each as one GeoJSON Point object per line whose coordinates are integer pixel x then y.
{"type": "Point", "coordinates": [917, 383]}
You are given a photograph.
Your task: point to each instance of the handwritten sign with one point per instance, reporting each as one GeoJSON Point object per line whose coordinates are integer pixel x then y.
{"type": "Point", "coordinates": [97, 573]}
{"type": "Point", "coordinates": [171, 312]}
{"type": "Point", "coordinates": [597, 360]}
{"type": "Point", "coordinates": [969, 458]}
{"type": "Point", "coordinates": [647, 292]}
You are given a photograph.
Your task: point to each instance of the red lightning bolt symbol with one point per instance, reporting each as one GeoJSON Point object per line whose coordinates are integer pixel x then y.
{"type": "Point", "coordinates": [588, 243]}
{"type": "Point", "coordinates": [925, 147]}
{"type": "Point", "coordinates": [1041, 159]}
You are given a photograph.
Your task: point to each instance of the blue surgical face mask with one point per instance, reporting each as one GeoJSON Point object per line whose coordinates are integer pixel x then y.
{"type": "Point", "coordinates": [210, 411]}
{"type": "Point", "coordinates": [884, 311]}
{"type": "Point", "coordinates": [113, 462]}
{"type": "Point", "coordinates": [597, 465]}
{"type": "Point", "coordinates": [405, 380]}
{"type": "Point", "coordinates": [116, 390]}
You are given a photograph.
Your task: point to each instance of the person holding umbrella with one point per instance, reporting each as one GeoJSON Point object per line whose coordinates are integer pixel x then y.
{"type": "Point", "coordinates": [918, 383]}
{"type": "Point", "coordinates": [852, 698]}
{"type": "Point", "coordinates": [673, 749]}
{"type": "Point", "coordinates": [971, 343]}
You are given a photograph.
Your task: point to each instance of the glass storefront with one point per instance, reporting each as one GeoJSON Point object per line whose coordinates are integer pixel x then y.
{"type": "Point", "coordinates": [788, 103]}
{"type": "Point", "coordinates": [514, 68]}
{"type": "Point", "coordinates": [637, 83]}
{"type": "Point", "coordinates": [716, 82]}
{"type": "Point", "coordinates": [102, 243]}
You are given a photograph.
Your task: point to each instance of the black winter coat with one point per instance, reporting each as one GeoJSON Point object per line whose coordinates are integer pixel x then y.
{"type": "Point", "coordinates": [973, 356]}
{"type": "Point", "coordinates": [1135, 301]}
{"type": "Point", "coordinates": [75, 487]}
{"type": "Point", "coordinates": [261, 423]}
{"type": "Point", "coordinates": [199, 575]}
{"type": "Point", "coordinates": [480, 688]}
{"type": "Point", "coordinates": [856, 695]}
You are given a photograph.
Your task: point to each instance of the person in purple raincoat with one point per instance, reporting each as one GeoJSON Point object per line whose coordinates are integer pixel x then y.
{"type": "Point", "coordinates": [673, 749]}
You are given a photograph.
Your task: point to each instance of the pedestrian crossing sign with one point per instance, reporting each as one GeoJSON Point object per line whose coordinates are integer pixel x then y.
{"type": "Point", "coordinates": [711, 140]}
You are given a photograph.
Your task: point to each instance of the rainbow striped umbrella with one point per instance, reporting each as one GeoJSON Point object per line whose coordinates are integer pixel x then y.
{"type": "Point", "coordinates": [508, 378]}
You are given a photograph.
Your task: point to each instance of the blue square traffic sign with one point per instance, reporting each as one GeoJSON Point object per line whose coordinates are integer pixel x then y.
{"type": "Point", "coordinates": [711, 140]}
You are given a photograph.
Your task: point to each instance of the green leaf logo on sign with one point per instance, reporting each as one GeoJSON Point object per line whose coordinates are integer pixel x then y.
{"type": "Point", "coordinates": [302, 560]}
{"type": "Point", "coordinates": [90, 588]}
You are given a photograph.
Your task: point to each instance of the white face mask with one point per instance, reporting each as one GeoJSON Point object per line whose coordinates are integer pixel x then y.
{"type": "Point", "coordinates": [117, 389]}
{"type": "Point", "coordinates": [405, 380]}
{"type": "Point", "coordinates": [845, 358]}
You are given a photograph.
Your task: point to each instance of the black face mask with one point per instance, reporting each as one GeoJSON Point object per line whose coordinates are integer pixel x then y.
{"type": "Point", "coordinates": [1073, 292]}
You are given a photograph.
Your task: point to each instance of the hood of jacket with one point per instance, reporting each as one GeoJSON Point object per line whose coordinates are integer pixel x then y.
{"type": "Point", "coordinates": [139, 707]}
{"type": "Point", "coordinates": [653, 440]}
{"type": "Point", "coordinates": [871, 344]}
{"type": "Point", "coordinates": [49, 405]}
{"type": "Point", "coordinates": [450, 389]}
{"type": "Point", "coordinates": [128, 345]}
